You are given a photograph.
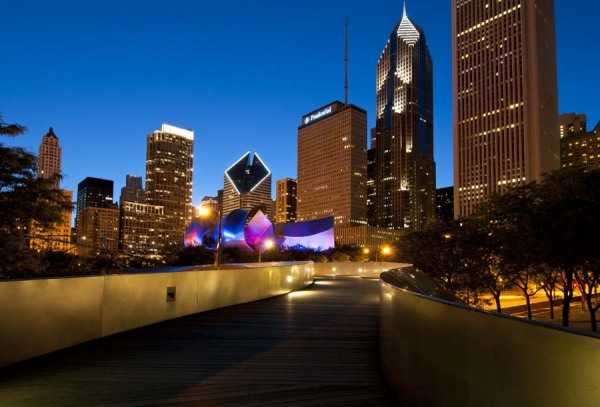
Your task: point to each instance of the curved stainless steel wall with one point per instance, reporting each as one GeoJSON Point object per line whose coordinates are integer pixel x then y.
{"type": "Point", "coordinates": [438, 353]}
{"type": "Point", "coordinates": [44, 315]}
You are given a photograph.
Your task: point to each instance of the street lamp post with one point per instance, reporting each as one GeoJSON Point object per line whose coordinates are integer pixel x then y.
{"type": "Point", "coordinates": [366, 251]}
{"type": "Point", "coordinates": [267, 244]}
{"type": "Point", "coordinates": [385, 250]}
{"type": "Point", "coordinates": [218, 255]}
{"type": "Point", "coordinates": [204, 210]}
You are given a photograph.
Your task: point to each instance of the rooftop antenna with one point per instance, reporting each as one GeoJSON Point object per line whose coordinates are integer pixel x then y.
{"type": "Point", "coordinates": [346, 67]}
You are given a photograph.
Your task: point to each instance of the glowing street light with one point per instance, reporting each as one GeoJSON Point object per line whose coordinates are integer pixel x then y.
{"type": "Point", "coordinates": [267, 244]}
{"type": "Point", "coordinates": [385, 250]}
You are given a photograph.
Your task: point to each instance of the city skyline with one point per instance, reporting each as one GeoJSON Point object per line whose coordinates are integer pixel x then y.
{"type": "Point", "coordinates": [105, 76]}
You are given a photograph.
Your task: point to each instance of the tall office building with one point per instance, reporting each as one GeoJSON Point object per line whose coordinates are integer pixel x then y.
{"type": "Point", "coordinates": [571, 123]}
{"type": "Point", "coordinates": [133, 191]}
{"type": "Point", "coordinates": [169, 160]}
{"type": "Point", "coordinates": [371, 191]}
{"type": "Point", "coordinates": [444, 207]}
{"type": "Point", "coordinates": [286, 200]}
{"type": "Point", "coordinates": [58, 236]}
{"type": "Point", "coordinates": [49, 158]}
{"type": "Point", "coordinates": [505, 97]}
{"type": "Point", "coordinates": [141, 227]}
{"type": "Point", "coordinates": [581, 150]}
{"type": "Point", "coordinates": [94, 192]}
{"type": "Point", "coordinates": [332, 165]}
{"type": "Point", "coordinates": [97, 218]}
{"type": "Point", "coordinates": [405, 168]}
{"type": "Point", "coordinates": [247, 185]}
{"type": "Point", "coordinates": [98, 230]}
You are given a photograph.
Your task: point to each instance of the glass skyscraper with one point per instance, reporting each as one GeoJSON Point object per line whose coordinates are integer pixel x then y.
{"type": "Point", "coordinates": [404, 166]}
{"type": "Point", "coordinates": [169, 160]}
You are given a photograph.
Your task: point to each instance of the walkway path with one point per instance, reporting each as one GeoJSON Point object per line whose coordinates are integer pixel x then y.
{"type": "Point", "coordinates": [316, 347]}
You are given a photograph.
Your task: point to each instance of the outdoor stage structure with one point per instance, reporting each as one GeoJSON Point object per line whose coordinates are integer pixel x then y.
{"type": "Point", "coordinates": [249, 230]}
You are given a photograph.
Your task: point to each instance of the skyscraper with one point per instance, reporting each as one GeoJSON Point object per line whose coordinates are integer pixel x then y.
{"type": "Point", "coordinates": [505, 97]}
{"type": "Point", "coordinates": [141, 225]}
{"type": "Point", "coordinates": [57, 237]}
{"type": "Point", "coordinates": [97, 218]}
{"type": "Point", "coordinates": [581, 149]}
{"type": "Point", "coordinates": [286, 198]}
{"type": "Point", "coordinates": [404, 164]}
{"type": "Point", "coordinates": [247, 185]}
{"type": "Point", "coordinates": [94, 192]}
{"type": "Point", "coordinates": [49, 158]}
{"type": "Point", "coordinates": [133, 190]}
{"type": "Point", "coordinates": [332, 165]}
{"type": "Point", "coordinates": [444, 206]}
{"type": "Point", "coordinates": [571, 123]}
{"type": "Point", "coordinates": [97, 229]}
{"type": "Point", "coordinates": [169, 160]}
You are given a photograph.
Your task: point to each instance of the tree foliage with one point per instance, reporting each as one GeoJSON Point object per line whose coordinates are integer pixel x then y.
{"type": "Point", "coordinates": [25, 200]}
{"type": "Point", "coordinates": [539, 236]}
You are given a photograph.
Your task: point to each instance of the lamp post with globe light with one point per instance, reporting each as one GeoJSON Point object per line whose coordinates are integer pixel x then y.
{"type": "Point", "coordinates": [205, 211]}
{"type": "Point", "coordinates": [386, 250]}
{"type": "Point", "coordinates": [267, 244]}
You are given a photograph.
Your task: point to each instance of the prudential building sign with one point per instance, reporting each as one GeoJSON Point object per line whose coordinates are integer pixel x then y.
{"type": "Point", "coordinates": [317, 115]}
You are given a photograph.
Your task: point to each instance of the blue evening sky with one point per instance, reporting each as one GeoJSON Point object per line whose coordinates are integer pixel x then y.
{"type": "Point", "coordinates": [239, 73]}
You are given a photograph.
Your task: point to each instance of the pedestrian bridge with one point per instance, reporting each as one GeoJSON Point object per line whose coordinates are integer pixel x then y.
{"type": "Point", "coordinates": [317, 346]}
{"type": "Point", "coordinates": [322, 345]}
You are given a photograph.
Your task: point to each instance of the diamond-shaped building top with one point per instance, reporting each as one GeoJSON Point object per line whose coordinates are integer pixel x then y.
{"type": "Point", "coordinates": [247, 185]}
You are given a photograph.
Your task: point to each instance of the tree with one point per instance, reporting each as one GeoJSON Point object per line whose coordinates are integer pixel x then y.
{"type": "Point", "coordinates": [25, 199]}
{"type": "Point", "coordinates": [479, 244]}
{"type": "Point", "coordinates": [435, 251]}
{"type": "Point", "coordinates": [11, 130]}
{"type": "Point", "coordinates": [563, 225]}
{"type": "Point", "coordinates": [587, 274]}
{"type": "Point", "coordinates": [511, 218]}
{"type": "Point", "coordinates": [548, 278]}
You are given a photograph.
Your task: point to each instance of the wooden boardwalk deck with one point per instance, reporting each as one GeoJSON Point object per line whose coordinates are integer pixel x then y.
{"type": "Point", "coordinates": [316, 347]}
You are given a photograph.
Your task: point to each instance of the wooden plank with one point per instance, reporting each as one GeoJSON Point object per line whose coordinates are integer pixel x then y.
{"type": "Point", "coordinates": [310, 348]}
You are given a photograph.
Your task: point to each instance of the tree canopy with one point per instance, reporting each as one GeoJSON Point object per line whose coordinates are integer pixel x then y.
{"type": "Point", "coordinates": [541, 235]}
{"type": "Point", "coordinates": [25, 200]}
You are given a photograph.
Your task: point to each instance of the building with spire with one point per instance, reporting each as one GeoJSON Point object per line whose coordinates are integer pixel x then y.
{"type": "Point", "coordinates": [49, 158]}
{"type": "Point", "coordinates": [247, 185]}
{"type": "Point", "coordinates": [404, 164]}
{"type": "Point", "coordinates": [169, 168]}
{"type": "Point", "coordinates": [505, 98]}
{"type": "Point", "coordinates": [57, 237]}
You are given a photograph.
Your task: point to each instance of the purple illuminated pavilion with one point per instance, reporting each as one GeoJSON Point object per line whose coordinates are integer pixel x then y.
{"type": "Point", "coordinates": [249, 230]}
